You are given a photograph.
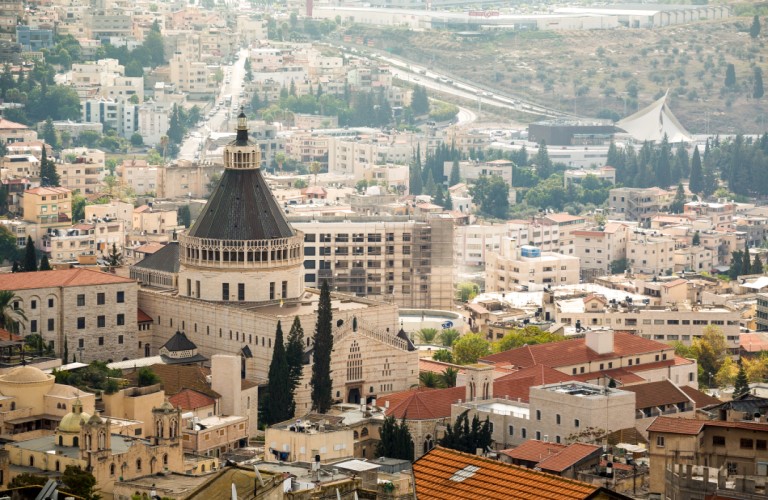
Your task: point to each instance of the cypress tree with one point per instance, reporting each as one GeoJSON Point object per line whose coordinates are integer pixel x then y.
{"type": "Point", "coordinates": [696, 239]}
{"type": "Point", "coordinates": [730, 75]}
{"type": "Point", "coordinates": [295, 353]}
{"type": "Point", "coordinates": [735, 269]}
{"type": "Point", "coordinates": [741, 386]}
{"type": "Point", "coordinates": [44, 264]}
{"type": "Point", "coordinates": [758, 91]}
{"type": "Point", "coordinates": [322, 384]}
{"type": "Point", "coordinates": [48, 174]}
{"type": "Point", "coordinates": [455, 174]}
{"type": "Point", "coordinates": [30, 256]}
{"type": "Point", "coordinates": [757, 265]}
{"type": "Point", "coordinates": [277, 402]}
{"type": "Point", "coordinates": [696, 184]}
{"type": "Point", "coordinates": [746, 262]}
{"type": "Point", "coordinates": [395, 440]}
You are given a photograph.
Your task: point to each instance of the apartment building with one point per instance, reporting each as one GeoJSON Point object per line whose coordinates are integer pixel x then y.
{"type": "Point", "coordinates": [728, 450]}
{"type": "Point", "coordinates": [84, 239]}
{"type": "Point", "coordinates": [216, 435]}
{"type": "Point", "coordinates": [721, 213]}
{"type": "Point", "coordinates": [114, 210]}
{"type": "Point", "coordinates": [473, 243]}
{"type": "Point", "coordinates": [185, 179]}
{"type": "Point", "coordinates": [406, 261]}
{"type": "Point", "coordinates": [194, 77]}
{"type": "Point", "coordinates": [550, 233]}
{"type": "Point", "coordinates": [638, 204]}
{"type": "Point", "coordinates": [20, 166]}
{"type": "Point", "coordinates": [650, 254]}
{"type": "Point", "coordinates": [354, 156]}
{"type": "Point", "coordinates": [514, 269]}
{"type": "Point", "coordinates": [138, 175]}
{"type": "Point", "coordinates": [674, 322]}
{"type": "Point", "coordinates": [598, 248]}
{"type": "Point", "coordinates": [118, 114]}
{"type": "Point", "coordinates": [695, 259]}
{"type": "Point", "coordinates": [11, 132]}
{"type": "Point", "coordinates": [48, 207]}
{"type": "Point", "coordinates": [82, 169]}
{"type": "Point", "coordinates": [93, 312]}
{"type": "Point", "coordinates": [577, 176]}
{"type": "Point", "coordinates": [147, 220]}
{"type": "Point", "coordinates": [471, 171]}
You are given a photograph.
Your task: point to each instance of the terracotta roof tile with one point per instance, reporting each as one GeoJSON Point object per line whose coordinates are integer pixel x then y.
{"type": "Point", "coordinates": [421, 403]}
{"type": "Point", "coordinates": [189, 399]}
{"type": "Point", "coordinates": [701, 399]}
{"type": "Point", "coordinates": [517, 385]}
{"type": "Point", "coordinates": [176, 378]}
{"type": "Point", "coordinates": [8, 124]}
{"type": "Point", "coordinates": [570, 456]}
{"type": "Point", "coordinates": [143, 317]}
{"type": "Point", "coordinates": [753, 342]}
{"type": "Point", "coordinates": [443, 474]}
{"type": "Point", "coordinates": [59, 278]}
{"type": "Point", "coordinates": [534, 450]}
{"type": "Point", "coordinates": [659, 393]}
{"type": "Point", "coordinates": [677, 425]}
{"type": "Point", "coordinates": [575, 351]}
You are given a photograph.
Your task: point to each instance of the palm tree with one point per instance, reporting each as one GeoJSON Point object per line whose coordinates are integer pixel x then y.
{"type": "Point", "coordinates": [427, 335]}
{"type": "Point", "coordinates": [314, 168]}
{"type": "Point", "coordinates": [280, 159]}
{"type": "Point", "coordinates": [430, 379]}
{"type": "Point", "coordinates": [9, 312]}
{"type": "Point", "coordinates": [449, 336]}
{"type": "Point", "coordinates": [448, 377]}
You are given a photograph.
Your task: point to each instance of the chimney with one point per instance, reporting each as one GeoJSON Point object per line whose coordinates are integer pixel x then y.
{"type": "Point", "coordinates": [600, 341]}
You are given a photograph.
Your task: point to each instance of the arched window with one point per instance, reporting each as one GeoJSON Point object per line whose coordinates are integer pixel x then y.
{"type": "Point", "coordinates": [355, 435]}
{"type": "Point", "coordinates": [111, 469]}
{"type": "Point", "coordinates": [31, 461]}
{"type": "Point", "coordinates": [202, 468]}
{"type": "Point", "coordinates": [364, 432]}
{"type": "Point", "coordinates": [172, 429]}
{"type": "Point", "coordinates": [102, 440]}
{"type": "Point", "coordinates": [75, 441]}
{"type": "Point", "coordinates": [165, 459]}
{"type": "Point", "coordinates": [61, 440]}
{"type": "Point", "coordinates": [58, 466]}
{"type": "Point", "coordinates": [159, 428]}
{"type": "Point", "coordinates": [428, 443]}
{"type": "Point", "coordinates": [138, 465]}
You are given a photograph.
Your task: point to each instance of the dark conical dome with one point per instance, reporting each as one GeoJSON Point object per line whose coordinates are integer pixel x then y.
{"type": "Point", "coordinates": [242, 206]}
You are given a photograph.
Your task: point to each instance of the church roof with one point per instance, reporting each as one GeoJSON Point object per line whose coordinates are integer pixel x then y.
{"type": "Point", "coordinates": [653, 122]}
{"type": "Point", "coordinates": [242, 207]}
{"type": "Point", "coordinates": [180, 342]}
{"type": "Point", "coordinates": [166, 259]}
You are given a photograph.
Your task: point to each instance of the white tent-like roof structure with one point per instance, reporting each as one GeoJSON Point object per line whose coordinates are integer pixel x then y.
{"type": "Point", "coordinates": [651, 123]}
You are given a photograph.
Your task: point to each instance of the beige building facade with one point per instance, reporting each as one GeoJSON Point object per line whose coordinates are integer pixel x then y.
{"type": "Point", "coordinates": [512, 269]}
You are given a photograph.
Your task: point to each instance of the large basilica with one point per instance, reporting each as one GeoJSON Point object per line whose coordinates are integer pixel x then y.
{"type": "Point", "coordinates": [239, 270]}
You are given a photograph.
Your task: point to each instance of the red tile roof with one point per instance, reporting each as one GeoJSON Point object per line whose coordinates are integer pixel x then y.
{"type": "Point", "coordinates": [575, 351]}
{"type": "Point", "coordinates": [447, 474]}
{"type": "Point", "coordinates": [659, 393]}
{"type": "Point", "coordinates": [753, 342]}
{"type": "Point", "coordinates": [517, 385]}
{"type": "Point", "coordinates": [534, 450]}
{"type": "Point", "coordinates": [570, 456]}
{"type": "Point", "coordinates": [430, 365]}
{"type": "Point", "coordinates": [701, 399]}
{"type": "Point", "coordinates": [189, 399]}
{"type": "Point", "coordinates": [8, 124]}
{"type": "Point", "coordinates": [48, 190]}
{"type": "Point", "coordinates": [58, 278]}
{"type": "Point", "coordinates": [143, 317]}
{"type": "Point", "coordinates": [676, 425]}
{"type": "Point", "coordinates": [422, 403]}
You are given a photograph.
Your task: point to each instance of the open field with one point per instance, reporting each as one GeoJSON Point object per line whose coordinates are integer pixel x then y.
{"type": "Point", "coordinates": [603, 72]}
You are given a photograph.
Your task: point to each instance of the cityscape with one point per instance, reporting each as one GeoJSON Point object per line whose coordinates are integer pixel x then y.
{"type": "Point", "coordinates": [396, 249]}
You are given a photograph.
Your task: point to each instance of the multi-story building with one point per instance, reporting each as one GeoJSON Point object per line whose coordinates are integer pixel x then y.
{"type": "Point", "coordinates": [20, 166]}
{"type": "Point", "coordinates": [193, 77]}
{"type": "Point", "coordinates": [11, 132]}
{"type": "Point", "coordinates": [147, 220]}
{"type": "Point", "coordinates": [473, 243]}
{"type": "Point", "coordinates": [695, 259]}
{"type": "Point", "coordinates": [10, 13]}
{"type": "Point", "coordinates": [577, 176]}
{"type": "Point", "coordinates": [239, 275]}
{"type": "Point", "coordinates": [154, 120]}
{"type": "Point", "coordinates": [721, 213]}
{"type": "Point", "coordinates": [404, 260]}
{"type": "Point", "coordinates": [83, 169]}
{"type": "Point", "coordinates": [650, 254]}
{"type": "Point", "coordinates": [638, 204]}
{"type": "Point", "coordinates": [185, 179]}
{"type": "Point", "coordinates": [671, 322]}
{"type": "Point", "coordinates": [598, 248]}
{"type": "Point", "coordinates": [114, 210]}
{"type": "Point", "coordinates": [215, 435]}
{"type": "Point", "coordinates": [84, 239]}
{"type": "Point", "coordinates": [354, 156]}
{"type": "Point", "coordinates": [34, 39]}
{"type": "Point", "coordinates": [119, 114]}
{"type": "Point", "coordinates": [512, 269]}
{"type": "Point", "coordinates": [48, 207]}
{"type": "Point", "coordinates": [139, 175]}
{"type": "Point", "coordinates": [734, 450]}
{"type": "Point", "coordinates": [93, 312]}
{"type": "Point", "coordinates": [471, 171]}
{"type": "Point", "coordinates": [550, 233]}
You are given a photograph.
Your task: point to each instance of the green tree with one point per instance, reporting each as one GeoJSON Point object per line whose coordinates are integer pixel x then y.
{"type": "Point", "coordinates": [10, 313]}
{"type": "Point", "coordinates": [185, 217]}
{"type": "Point", "coordinates": [542, 162]}
{"type": "Point", "coordinates": [427, 335]}
{"type": "Point", "coordinates": [709, 350]}
{"type": "Point", "coordinates": [491, 194]}
{"type": "Point", "coordinates": [696, 240]}
{"type": "Point", "coordinates": [115, 258]}
{"type": "Point", "coordinates": [78, 206]}
{"type": "Point", "coordinates": [48, 174]}
{"type": "Point", "coordinates": [730, 76]}
{"type": "Point", "coordinates": [757, 91]}
{"type": "Point", "coordinates": [678, 203]}
{"type": "Point", "coordinates": [741, 385]}
{"type": "Point", "coordinates": [419, 100]}
{"type": "Point", "coordinates": [147, 377]}
{"type": "Point", "coordinates": [175, 131]}
{"type": "Point", "coordinates": [9, 250]}
{"type": "Point", "coordinates": [44, 264]}
{"type": "Point", "coordinates": [430, 380]}
{"type": "Point", "coordinates": [449, 376]}
{"type": "Point", "coordinates": [696, 183]}
{"type": "Point", "coordinates": [154, 45]}
{"type": "Point", "coordinates": [529, 335]}
{"type": "Point", "coordinates": [395, 440]}
{"type": "Point", "coordinates": [137, 139]}
{"type": "Point", "coordinates": [443, 355]}
{"type": "Point", "coordinates": [466, 437]}
{"type": "Point", "coordinates": [49, 134]}
{"type": "Point", "coordinates": [30, 256]}
{"type": "Point", "coordinates": [455, 176]}
{"type": "Point", "coordinates": [322, 384]}
{"type": "Point", "coordinates": [736, 264]}
{"type": "Point", "coordinates": [295, 352]}
{"type": "Point", "coordinates": [27, 479]}
{"type": "Point", "coordinates": [757, 265]}
{"type": "Point", "coordinates": [79, 482]}
{"type": "Point", "coordinates": [449, 336]}
{"type": "Point", "coordinates": [726, 375]}
{"type": "Point", "coordinates": [469, 348]}
{"type": "Point", "coordinates": [278, 402]}
{"type": "Point", "coordinates": [466, 291]}
{"type": "Point", "coordinates": [754, 30]}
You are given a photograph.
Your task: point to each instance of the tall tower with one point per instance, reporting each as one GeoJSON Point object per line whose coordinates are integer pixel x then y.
{"type": "Point", "coordinates": [241, 248]}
